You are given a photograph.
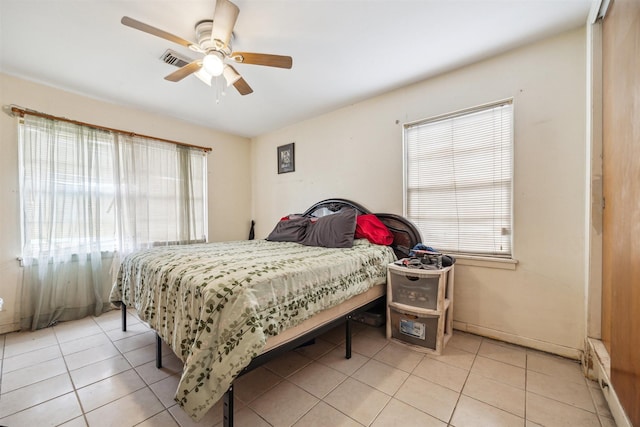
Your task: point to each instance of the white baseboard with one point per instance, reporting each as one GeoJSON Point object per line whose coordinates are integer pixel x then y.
{"type": "Point", "coordinates": [9, 327]}
{"type": "Point", "coordinates": [598, 368]}
{"type": "Point", "coordinates": [571, 353]}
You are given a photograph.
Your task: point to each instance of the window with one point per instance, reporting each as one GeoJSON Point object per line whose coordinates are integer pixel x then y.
{"type": "Point", "coordinates": [65, 172]}
{"type": "Point", "coordinates": [165, 193]}
{"type": "Point", "coordinates": [90, 196]}
{"type": "Point", "coordinates": [458, 180]}
{"type": "Point", "coordinates": [87, 190]}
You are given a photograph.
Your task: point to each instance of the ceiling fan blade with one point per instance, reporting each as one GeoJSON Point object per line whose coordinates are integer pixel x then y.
{"type": "Point", "coordinates": [234, 78]}
{"type": "Point", "coordinates": [242, 87]}
{"type": "Point", "coordinates": [185, 71]}
{"type": "Point", "coordinates": [130, 22]}
{"type": "Point", "coordinates": [224, 19]}
{"type": "Point", "coordinates": [262, 59]}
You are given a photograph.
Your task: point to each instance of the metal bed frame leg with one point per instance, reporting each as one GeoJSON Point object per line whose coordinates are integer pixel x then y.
{"type": "Point", "coordinates": [158, 351]}
{"type": "Point", "coordinates": [228, 407]}
{"type": "Point", "coordinates": [123, 308]}
{"type": "Point", "coordinates": [348, 337]}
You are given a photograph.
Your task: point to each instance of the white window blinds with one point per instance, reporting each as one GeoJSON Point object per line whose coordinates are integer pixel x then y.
{"type": "Point", "coordinates": [458, 180]}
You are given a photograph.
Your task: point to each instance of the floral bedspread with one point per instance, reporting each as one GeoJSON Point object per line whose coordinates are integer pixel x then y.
{"type": "Point", "coordinates": [215, 304]}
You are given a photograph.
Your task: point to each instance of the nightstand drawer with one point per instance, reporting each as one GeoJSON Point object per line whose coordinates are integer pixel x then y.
{"type": "Point", "coordinates": [418, 288]}
{"type": "Point", "coordinates": [412, 328]}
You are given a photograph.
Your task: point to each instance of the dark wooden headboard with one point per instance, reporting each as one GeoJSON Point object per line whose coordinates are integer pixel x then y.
{"type": "Point", "coordinates": [405, 233]}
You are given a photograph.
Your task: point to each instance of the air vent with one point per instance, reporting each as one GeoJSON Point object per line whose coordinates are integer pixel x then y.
{"type": "Point", "coordinates": [172, 57]}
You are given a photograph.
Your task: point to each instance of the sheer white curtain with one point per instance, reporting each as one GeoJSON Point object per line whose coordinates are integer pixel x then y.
{"type": "Point", "coordinates": [68, 220]}
{"type": "Point", "coordinates": [161, 194]}
{"type": "Point", "coordinates": [89, 197]}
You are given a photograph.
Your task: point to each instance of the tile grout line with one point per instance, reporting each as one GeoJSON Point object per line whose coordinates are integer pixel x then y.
{"type": "Point", "coordinates": [57, 344]}
{"type": "Point", "coordinates": [410, 374]}
{"type": "Point", "coordinates": [147, 386]}
{"type": "Point", "coordinates": [75, 390]}
{"type": "Point", "coordinates": [355, 379]}
{"type": "Point", "coordinates": [369, 358]}
{"type": "Point", "coordinates": [455, 407]}
{"type": "Point", "coordinates": [67, 372]}
{"type": "Point", "coordinates": [477, 354]}
{"type": "Point", "coordinates": [526, 378]}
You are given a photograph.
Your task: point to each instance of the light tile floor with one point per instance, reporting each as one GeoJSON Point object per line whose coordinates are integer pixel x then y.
{"type": "Point", "coordinates": [90, 373]}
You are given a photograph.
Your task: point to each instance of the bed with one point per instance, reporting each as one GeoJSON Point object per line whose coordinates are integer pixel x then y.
{"type": "Point", "coordinates": [225, 308]}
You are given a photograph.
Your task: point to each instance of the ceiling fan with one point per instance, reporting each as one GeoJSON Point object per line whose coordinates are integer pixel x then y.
{"type": "Point", "coordinates": [214, 42]}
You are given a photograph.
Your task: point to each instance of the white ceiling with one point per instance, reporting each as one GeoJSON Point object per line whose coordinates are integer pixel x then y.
{"type": "Point", "coordinates": [343, 51]}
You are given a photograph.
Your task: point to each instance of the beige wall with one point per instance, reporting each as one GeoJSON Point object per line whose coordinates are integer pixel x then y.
{"type": "Point", "coordinates": [356, 153]}
{"type": "Point", "coordinates": [228, 169]}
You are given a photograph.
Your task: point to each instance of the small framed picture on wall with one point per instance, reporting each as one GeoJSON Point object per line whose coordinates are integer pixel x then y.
{"type": "Point", "coordinates": [286, 158]}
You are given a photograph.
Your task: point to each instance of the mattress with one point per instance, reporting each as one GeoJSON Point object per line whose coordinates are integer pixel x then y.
{"type": "Point", "coordinates": [218, 304]}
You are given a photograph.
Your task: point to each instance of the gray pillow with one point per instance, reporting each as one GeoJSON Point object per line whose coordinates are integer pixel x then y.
{"type": "Point", "coordinates": [290, 230]}
{"type": "Point", "coordinates": [332, 231]}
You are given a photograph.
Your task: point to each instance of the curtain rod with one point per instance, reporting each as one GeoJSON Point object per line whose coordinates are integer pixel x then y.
{"type": "Point", "coordinates": [22, 111]}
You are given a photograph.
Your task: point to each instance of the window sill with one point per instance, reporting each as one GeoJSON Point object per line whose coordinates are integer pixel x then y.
{"type": "Point", "coordinates": [487, 262]}
{"type": "Point", "coordinates": [74, 258]}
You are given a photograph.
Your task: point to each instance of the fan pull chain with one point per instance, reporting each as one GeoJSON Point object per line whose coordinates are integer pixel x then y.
{"type": "Point", "coordinates": [219, 84]}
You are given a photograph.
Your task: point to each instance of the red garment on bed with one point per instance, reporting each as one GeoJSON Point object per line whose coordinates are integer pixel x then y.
{"type": "Point", "coordinates": [371, 228]}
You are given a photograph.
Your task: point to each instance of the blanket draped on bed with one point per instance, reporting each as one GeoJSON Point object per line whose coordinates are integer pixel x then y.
{"type": "Point", "coordinates": [216, 304]}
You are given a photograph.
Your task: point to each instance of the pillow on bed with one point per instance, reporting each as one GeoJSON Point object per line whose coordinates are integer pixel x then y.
{"type": "Point", "coordinates": [332, 231]}
{"type": "Point", "coordinates": [290, 229]}
{"type": "Point", "coordinates": [371, 228]}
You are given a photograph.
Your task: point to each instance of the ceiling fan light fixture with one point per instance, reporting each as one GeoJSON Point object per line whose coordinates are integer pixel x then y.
{"type": "Point", "coordinates": [213, 64]}
{"type": "Point", "coordinates": [204, 76]}
{"type": "Point", "coordinates": [230, 75]}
